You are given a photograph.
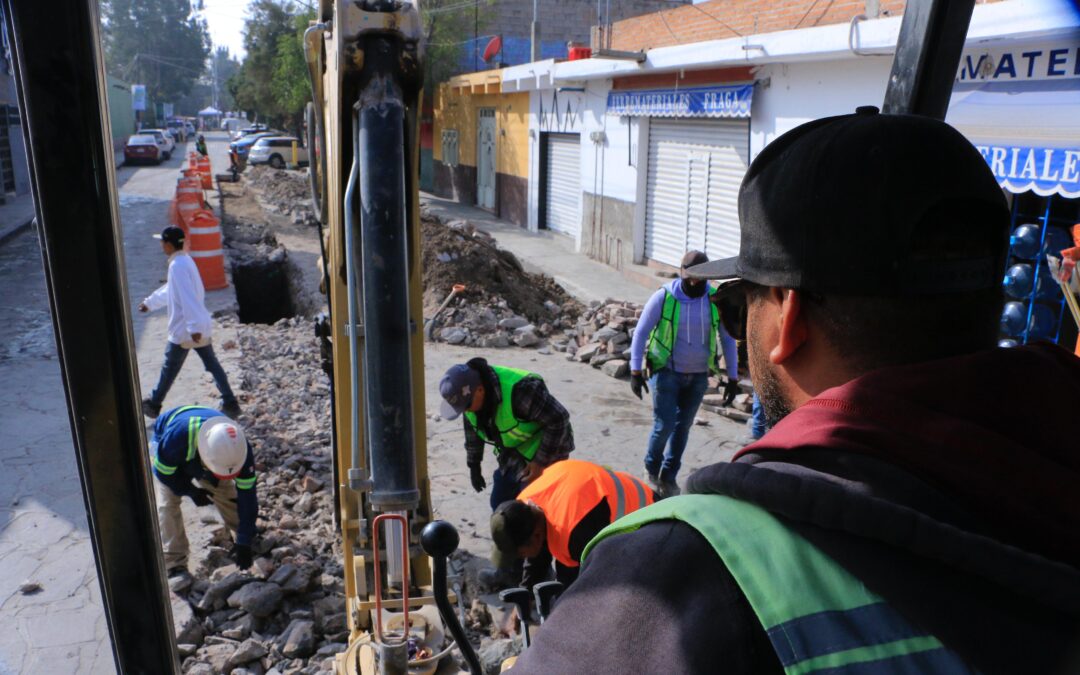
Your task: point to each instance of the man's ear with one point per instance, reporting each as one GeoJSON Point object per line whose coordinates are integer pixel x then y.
{"type": "Point", "coordinates": [792, 329]}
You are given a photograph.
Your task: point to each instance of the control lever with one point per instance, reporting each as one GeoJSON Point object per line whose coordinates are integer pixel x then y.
{"type": "Point", "coordinates": [519, 597]}
{"type": "Point", "coordinates": [439, 539]}
{"type": "Point", "coordinates": [546, 593]}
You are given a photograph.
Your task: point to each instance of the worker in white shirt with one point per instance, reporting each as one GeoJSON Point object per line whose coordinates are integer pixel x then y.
{"type": "Point", "coordinates": [189, 325]}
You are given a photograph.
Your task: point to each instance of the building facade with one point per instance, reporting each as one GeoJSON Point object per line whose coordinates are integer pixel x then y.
{"type": "Point", "coordinates": [14, 175]}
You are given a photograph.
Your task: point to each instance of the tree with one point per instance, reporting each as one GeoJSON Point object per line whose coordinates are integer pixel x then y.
{"type": "Point", "coordinates": [448, 35]}
{"type": "Point", "coordinates": [253, 86]}
{"type": "Point", "coordinates": [159, 43]}
{"type": "Point", "coordinates": [222, 67]}
{"type": "Point", "coordinates": [291, 86]}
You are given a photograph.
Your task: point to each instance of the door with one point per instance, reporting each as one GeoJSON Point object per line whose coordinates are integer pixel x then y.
{"type": "Point", "coordinates": [485, 160]}
{"type": "Point", "coordinates": [562, 183]}
{"type": "Point", "coordinates": [695, 169]}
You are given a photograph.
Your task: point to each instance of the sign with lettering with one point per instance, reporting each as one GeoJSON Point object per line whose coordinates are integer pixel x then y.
{"type": "Point", "coordinates": [718, 101]}
{"type": "Point", "coordinates": [1050, 61]}
{"type": "Point", "coordinates": [1044, 171]}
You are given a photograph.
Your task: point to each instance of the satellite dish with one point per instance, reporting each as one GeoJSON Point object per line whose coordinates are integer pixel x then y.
{"type": "Point", "coordinates": [494, 46]}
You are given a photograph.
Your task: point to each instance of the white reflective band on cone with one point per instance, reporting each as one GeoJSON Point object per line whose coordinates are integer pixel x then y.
{"type": "Point", "coordinates": [204, 230]}
{"type": "Point", "coordinates": [206, 254]}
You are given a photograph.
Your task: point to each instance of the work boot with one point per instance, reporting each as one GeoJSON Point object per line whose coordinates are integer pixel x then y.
{"type": "Point", "coordinates": [230, 408]}
{"type": "Point", "coordinates": [151, 409]}
{"type": "Point", "coordinates": [668, 487]}
{"type": "Point", "coordinates": [495, 579]}
{"type": "Point", "coordinates": [653, 479]}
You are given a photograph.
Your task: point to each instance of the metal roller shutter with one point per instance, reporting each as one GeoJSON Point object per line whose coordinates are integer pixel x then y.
{"type": "Point", "coordinates": [563, 183]}
{"type": "Point", "coordinates": [695, 168]}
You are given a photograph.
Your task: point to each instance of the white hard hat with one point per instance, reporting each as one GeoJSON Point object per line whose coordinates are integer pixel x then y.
{"type": "Point", "coordinates": [222, 446]}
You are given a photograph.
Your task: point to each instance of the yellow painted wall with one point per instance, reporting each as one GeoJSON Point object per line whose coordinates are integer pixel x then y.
{"type": "Point", "coordinates": [454, 110]}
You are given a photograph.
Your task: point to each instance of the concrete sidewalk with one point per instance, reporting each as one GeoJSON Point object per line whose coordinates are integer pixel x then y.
{"type": "Point", "coordinates": [553, 254]}
{"type": "Point", "coordinates": [15, 214]}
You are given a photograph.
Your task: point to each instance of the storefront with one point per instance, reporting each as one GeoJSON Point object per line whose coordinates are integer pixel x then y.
{"type": "Point", "coordinates": [1019, 103]}
{"type": "Point", "coordinates": [698, 151]}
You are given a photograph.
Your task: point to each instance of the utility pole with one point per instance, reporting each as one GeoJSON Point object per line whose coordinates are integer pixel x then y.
{"type": "Point", "coordinates": [535, 38]}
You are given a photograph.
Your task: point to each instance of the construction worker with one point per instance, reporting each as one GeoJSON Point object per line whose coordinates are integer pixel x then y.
{"type": "Point", "coordinates": [512, 411]}
{"type": "Point", "coordinates": [189, 325]}
{"type": "Point", "coordinates": [201, 454]}
{"type": "Point", "coordinates": [675, 341]}
{"type": "Point", "coordinates": [901, 515]}
{"type": "Point", "coordinates": [560, 512]}
{"type": "Point", "coordinates": [200, 146]}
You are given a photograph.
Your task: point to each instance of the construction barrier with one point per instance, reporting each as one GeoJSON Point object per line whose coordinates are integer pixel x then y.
{"type": "Point", "coordinates": [204, 172]}
{"type": "Point", "coordinates": [204, 246]}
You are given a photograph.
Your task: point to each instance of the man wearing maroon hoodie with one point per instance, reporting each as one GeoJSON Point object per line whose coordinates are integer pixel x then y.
{"type": "Point", "coordinates": [915, 507]}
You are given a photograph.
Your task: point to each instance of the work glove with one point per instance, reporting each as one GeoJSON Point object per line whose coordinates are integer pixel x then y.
{"type": "Point", "coordinates": [241, 555]}
{"type": "Point", "coordinates": [637, 383]}
{"type": "Point", "coordinates": [201, 497]}
{"type": "Point", "coordinates": [477, 478]}
{"type": "Point", "coordinates": [731, 390]}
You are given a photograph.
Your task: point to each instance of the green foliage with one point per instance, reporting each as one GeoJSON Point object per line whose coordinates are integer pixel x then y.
{"type": "Point", "coordinates": [159, 43]}
{"type": "Point", "coordinates": [448, 30]}
{"type": "Point", "coordinates": [291, 87]}
{"type": "Point", "coordinates": [272, 81]}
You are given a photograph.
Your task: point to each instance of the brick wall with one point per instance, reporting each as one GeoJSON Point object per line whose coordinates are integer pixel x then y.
{"type": "Point", "coordinates": [561, 20]}
{"type": "Point", "coordinates": [720, 19]}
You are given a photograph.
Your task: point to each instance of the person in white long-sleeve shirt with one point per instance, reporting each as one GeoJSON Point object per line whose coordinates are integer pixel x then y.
{"type": "Point", "coordinates": [190, 325]}
{"type": "Point", "coordinates": [675, 341]}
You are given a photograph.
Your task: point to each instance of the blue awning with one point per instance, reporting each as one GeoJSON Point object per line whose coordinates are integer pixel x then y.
{"type": "Point", "coordinates": [718, 101]}
{"type": "Point", "coordinates": [1028, 132]}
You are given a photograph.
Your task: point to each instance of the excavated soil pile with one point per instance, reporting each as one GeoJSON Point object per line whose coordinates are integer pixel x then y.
{"type": "Point", "coordinates": [283, 192]}
{"type": "Point", "coordinates": [501, 301]}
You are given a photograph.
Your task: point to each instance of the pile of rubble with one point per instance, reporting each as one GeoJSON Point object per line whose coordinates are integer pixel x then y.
{"type": "Point", "coordinates": [501, 304]}
{"type": "Point", "coordinates": [602, 337]}
{"type": "Point", "coordinates": [283, 192]}
{"type": "Point", "coordinates": [286, 615]}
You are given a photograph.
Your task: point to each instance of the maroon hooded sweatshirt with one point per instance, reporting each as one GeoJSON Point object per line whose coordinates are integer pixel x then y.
{"type": "Point", "coordinates": [950, 488]}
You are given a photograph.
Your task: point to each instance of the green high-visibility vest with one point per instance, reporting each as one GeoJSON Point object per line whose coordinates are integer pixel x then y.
{"type": "Point", "coordinates": [662, 337]}
{"type": "Point", "coordinates": [514, 434]}
{"type": "Point", "coordinates": [817, 615]}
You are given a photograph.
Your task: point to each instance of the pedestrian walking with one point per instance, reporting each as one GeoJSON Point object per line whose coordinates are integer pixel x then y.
{"type": "Point", "coordinates": [199, 453]}
{"type": "Point", "coordinates": [675, 343]}
{"type": "Point", "coordinates": [189, 325]}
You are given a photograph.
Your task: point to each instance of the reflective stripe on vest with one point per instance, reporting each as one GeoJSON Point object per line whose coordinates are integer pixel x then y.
{"type": "Point", "coordinates": [165, 469]}
{"type": "Point", "coordinates": [569, 489]}
{"type": "Point", "coordinates": [817, 615]}
{"type": "Point", "coordinates": [245, 483]}
{"type": "Point", "coordinates": [514, 434]}
{"type": "Point", "coordinates": [664, 333]}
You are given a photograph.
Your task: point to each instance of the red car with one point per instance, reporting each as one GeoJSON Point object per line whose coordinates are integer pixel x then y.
{"type": "Point", "coordinates": [142, 148]}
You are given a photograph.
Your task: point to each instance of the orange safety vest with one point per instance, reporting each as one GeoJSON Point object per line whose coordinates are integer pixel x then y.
{"type": "Point", "coordinates": [569, 489]}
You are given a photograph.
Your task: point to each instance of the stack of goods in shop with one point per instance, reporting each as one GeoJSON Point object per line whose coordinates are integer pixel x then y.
{"type": "Point", "coordinates": [1034, 303]}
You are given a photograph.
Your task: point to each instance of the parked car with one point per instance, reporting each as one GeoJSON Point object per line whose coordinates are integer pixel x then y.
{"type": "Point", "coordinates": [164, 138]}
{"type": "Point", "coordinates": [142, 148]}
{"type": "Point", "coordinates": [244, 132]}
{"type": "Point", "coordinates": [189, 128]}
{"type": "Point", "coordinates": [243, 145]}
{"type": "Point", "coordinates": [277, 151]}
{"type": "Point", "coordinates": [176, 128]}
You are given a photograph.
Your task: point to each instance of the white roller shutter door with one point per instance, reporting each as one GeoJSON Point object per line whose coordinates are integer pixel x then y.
{"type": "Point", "coordinates": [563, 183]}
{"type": "Point", "coordinates": [695, 168]}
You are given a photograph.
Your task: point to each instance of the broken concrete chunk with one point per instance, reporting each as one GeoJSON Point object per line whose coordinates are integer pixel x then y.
{"type": "Point", "coordinates": [298, 640]}
{"type": "Point", "coordinates": [247, 652]}
{"type": "Point", "coordinates": [616, 368]}
{"type": "Point", "coordinates": [513, 322]}
{"type": "Point", "coordinates": [260, 598]}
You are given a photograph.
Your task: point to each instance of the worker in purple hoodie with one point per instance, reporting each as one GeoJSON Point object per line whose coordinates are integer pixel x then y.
{"type": "Point", "coordinates": [675, 340]}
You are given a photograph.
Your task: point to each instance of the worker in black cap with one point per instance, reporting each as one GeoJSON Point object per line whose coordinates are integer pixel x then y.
{"type": "Point", "coordinates": [897, 518]}
{"type": "Point", "coordinates": [189, 328]}
{"type": "Point", "coordinates": [675, 348]}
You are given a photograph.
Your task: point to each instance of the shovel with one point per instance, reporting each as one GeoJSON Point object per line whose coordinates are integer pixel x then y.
{"type": "Point", "coordinates": [429, 325]}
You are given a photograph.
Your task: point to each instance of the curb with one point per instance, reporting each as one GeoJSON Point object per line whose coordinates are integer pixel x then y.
{"type": "Point", "coordinates": [10, 231]}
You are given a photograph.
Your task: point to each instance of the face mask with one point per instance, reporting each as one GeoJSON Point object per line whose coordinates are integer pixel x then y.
{"type": "Point", "coordinates": [693, 289]}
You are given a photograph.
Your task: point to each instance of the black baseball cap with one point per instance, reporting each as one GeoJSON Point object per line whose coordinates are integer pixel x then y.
{"type": "Point", "coordinates": [838, 205]}
{"type": "Point", "coordinates": [172, 234]}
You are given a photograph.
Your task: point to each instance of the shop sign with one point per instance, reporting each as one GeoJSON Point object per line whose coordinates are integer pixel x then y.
{"type": "Point", "coordinates": [1045, 171]}
{"type": "Point", "coordinates": [138, 97]}
{"type": "Point", "coordinates": [1051, 61]}
{"type": "Point", "coordinates": [719, 101]}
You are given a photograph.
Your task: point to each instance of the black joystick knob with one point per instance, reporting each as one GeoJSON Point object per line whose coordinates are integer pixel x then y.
{"type": "Point", "coordinates": [439, 539]}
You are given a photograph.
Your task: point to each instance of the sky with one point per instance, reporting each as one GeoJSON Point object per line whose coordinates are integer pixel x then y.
{"type": "Point", "coordinates": [226, 21]}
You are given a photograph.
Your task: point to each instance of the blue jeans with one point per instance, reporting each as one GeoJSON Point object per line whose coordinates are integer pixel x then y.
{"type": "Point", "coordinates": [757, 423]}
{"type": "Point", "coordinates": [676, 397]}
{"type": "Point", "coordinates": [504, 487]}
{"type": "Point", "coordinates": [175, 355]}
